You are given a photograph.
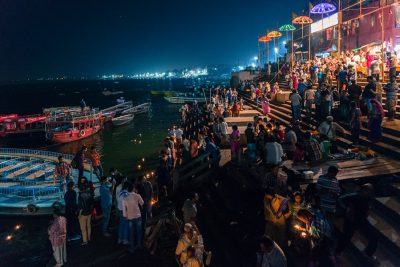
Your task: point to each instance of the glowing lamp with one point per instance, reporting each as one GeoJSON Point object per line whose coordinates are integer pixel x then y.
{"type": "Point", "coordinates": [9, 237]}
{"type": "Point", "coordinates": [17, 227]}
{"type": "Point", "coordinates": [323, 8]}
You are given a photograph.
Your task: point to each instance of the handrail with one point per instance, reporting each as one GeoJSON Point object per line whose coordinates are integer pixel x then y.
{"type": "Point", "coordinates": [21, 151]}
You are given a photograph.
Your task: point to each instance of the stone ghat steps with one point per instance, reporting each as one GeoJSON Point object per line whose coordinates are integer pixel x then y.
{"type": "Point", "coordinates": [388, 145]}
{"type": "Point", "coordinates": [390, 136]}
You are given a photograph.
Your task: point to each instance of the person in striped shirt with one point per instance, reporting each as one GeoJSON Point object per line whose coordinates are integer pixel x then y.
{"type": "Point", "coordinates": [329, 189]}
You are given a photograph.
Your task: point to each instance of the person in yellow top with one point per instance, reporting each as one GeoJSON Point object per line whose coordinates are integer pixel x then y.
{"type": "Point", "coordinates": [277, 211]}
{"type": "Point", "coordinates": [184, 243]}
{"type": "Point", "coordinates": [192, 261]}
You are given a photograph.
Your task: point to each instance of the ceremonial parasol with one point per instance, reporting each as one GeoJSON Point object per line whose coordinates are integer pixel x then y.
{"type": "Point", "coordinates": [274, 34]}
{"type": "Point", "coordinates": [323, 8]}
{"type": "Point", "coordinates": [287, 28]}
{"type": "Point", "coordinates": [263, 39]}
{"type": "Point", "coordinates": [302, 20]}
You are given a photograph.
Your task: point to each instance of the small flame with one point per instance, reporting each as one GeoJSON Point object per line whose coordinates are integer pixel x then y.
{"type": "Point", "coordinates": [9, 237]}
{"type": "Point", "coordinates": [303, 234]}
{"type": "Point", "coordinates": [17, 227]}
{"type": "Point", "coordinates": [153, 202]}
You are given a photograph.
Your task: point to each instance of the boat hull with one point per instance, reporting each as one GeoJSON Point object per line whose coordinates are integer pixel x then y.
{"type": "Point", "coordinates": [184, 100]}
{"type": "Point", "coordinates": [73, 135]}
{"type": "Point", "coordinates": [123, 120]}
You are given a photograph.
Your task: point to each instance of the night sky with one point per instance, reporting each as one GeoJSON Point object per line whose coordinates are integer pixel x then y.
{"type": "Point", "coordinates": [41, 38]}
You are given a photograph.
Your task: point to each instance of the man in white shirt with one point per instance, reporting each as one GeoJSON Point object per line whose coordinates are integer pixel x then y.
{"type": "Point", "coordinates": [131, 212]}
{"type": "Point", "coordinates": [273, 152]}
{"type": "Point", "coordinates": [178, 135]}
{"type": "Point", "coordinates": [271, 254]}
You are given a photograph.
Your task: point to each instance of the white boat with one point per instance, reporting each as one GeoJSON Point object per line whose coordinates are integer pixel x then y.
{"type": "Point", "coordinates": [142, 108]}
{"type": "Point", "coordinates": [108, 92]}
{"type": "Point", "coordinates": [118, 108]}
{"type": "Point", "coordinates": [122, 120]}
{"type": "Point", "coordinates": [184, 99]}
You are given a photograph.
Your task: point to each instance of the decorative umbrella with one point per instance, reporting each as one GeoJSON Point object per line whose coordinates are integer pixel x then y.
{"type": "Point", "coordinates": [302, 20]}
{"type": "Point", "coordinates": [323, 8]}
{"type": "Point", "coordinates": [263, 39]}
{"type": "Point", "coordinates": [274, 34]}
{"type": "Point", "coordinates": [287, 28]}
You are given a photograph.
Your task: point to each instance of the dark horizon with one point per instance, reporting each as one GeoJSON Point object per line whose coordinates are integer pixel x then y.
{"type": "Point", "coordinates": [49, 39]}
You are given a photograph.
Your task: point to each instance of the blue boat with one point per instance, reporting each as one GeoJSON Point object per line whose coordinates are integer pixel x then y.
{"type": "Point", "coordinates": [28, 185]}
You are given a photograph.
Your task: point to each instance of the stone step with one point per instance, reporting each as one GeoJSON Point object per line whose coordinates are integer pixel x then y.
{"type": "Point", "coordinates": [389, 134]}
{"type": "Point", "coordinates": [388, 234]}
{"type": "Point", "coordinates": [381, 147]}
{"type": "Point", "coordinates": [281, 112]}
{"type": "Point", "coordinates": [359, 243]}
{"type": "Point", "coordinates": [389, 207]}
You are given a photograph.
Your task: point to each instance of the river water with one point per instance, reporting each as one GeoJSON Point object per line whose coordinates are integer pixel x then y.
{"type": "Point", "coordinates": [121, 147]}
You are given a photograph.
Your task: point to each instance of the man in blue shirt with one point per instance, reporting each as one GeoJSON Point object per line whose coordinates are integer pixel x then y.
{"type": "Point", "coordinates": [106, 202]}
{"type": "Point", "coordinates": [214, 152]}
{"type": "Point", "coordinates": [301, 89]}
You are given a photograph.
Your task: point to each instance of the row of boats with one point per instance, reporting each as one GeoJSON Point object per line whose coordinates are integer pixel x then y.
{"type": "Point", "coordinates": [68, 124]}
{"type": "Point", "coordinates": [174, 97]}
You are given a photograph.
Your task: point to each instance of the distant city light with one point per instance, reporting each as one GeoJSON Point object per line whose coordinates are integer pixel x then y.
{"type": "Point", "coordinates": [276, 50]}
{"type": "Point", "coordinates": [255, 58]}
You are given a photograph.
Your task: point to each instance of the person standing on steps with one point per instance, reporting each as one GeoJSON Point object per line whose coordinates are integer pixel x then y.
{"type": "Point", "coordinates": [85, 208]}
{"type": "Point", "coordinates": [295, 100]}
{"type": "Point", "coordinates": [96, 162]}
{"type": "Point", "coordinates": [369, 93]}
{"type": "Point", "coordinates": [79, 160]}
{"type": "Point", "coordinates": [355, 123]}
{"type": "Point", "coordinates": [58, 236]}
{"type": "Point", "coordinates": [131, 211]}
{"type": "Point", "coordinates": [106, 203]}
{"type": "Point", "coordinates": [71, 212]}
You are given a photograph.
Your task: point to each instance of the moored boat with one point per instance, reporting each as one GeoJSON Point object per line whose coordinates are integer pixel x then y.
{"type": "Point", "coordinates": [14, 124]}
{"type": "Point", "coordinates": [122, 120]}
{"type": "Point", "coordinates": [73, 126]}
{"type": "Point", "coordinates": [139, 109]}
{"type": "Point", "coordinates": [28, 185]}
{"type": "Point", "coordinates": [184, 99]}
{"type": "Point", "coordinates": [110, 92]}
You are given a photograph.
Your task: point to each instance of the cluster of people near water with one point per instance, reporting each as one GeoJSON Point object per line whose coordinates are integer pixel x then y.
{"type": "Point", "coordinates": [129, 200]}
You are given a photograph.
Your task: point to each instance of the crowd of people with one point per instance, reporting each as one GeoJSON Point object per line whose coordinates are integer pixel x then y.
{"type": "Point", "coordinates": [295, 218]}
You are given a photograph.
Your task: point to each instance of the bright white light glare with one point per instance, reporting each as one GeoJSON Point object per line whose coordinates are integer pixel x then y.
{"type": "Point", "coordinates": [276, 49]}
{"type": "Point", "coordinates": [255, 58]}
{"type": "Point", "coordinates": [284, 42]}
{"type": "Point", "coordinates": [253, 65]}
